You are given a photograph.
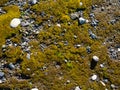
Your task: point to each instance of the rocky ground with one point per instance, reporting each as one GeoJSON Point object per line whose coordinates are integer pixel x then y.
{"type": "Point", "coordinates": [77, 51]}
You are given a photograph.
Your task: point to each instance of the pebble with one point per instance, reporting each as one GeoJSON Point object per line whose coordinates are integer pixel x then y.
{"type": "Point", "coordinates": [118, 49]}
{"type": "Point", "coordinates": [94, 77]}
{"type": "Point", "coordinates": [28, 56]}
{"type": "Point", "coordinates": [34, 89]}
{"type": "Point", "coordinates": [112, 86]}
{"type": "Point", "coordinates": [33, 2]}
{"type": "Point", "coordinates": [74, 16]}
{"type": "Point", "coordinates": [96, 58]}
{"type": "Point", "coordinates": [88, 48]}
{"type": "Point", "coordinates": [58, 25]}
{"type": "Point", "coordinates": [102, 65]}
{"type": "Point", "coordinates": [81, 21]}
{"type": "Point", "coordinates": [77, 88]}
{"type": "Point", "coordinates": [102, 83]}
{"type": "Point", "coordinates": [11, 66]}
{"type": "Point", "coordinates": [81, 3]}
{"type": "Point", "coordinates": [68, 81]}
{"type": "Point", "coordinates": [15, 22]}
{"type": "Point", "coordinates": [2, 74]}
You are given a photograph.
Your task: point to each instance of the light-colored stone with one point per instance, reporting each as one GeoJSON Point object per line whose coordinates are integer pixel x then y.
{"type": "Point", "coordinates": [96, 58]}
{"type": "Point", "coordinates": [94, 77]}
{"type": "Point", "coordinates": [34, 89]}
{"type": "Point", "coordinates": [81, 3]}
{"type": "Point", "coordinates": [15, 22]}
{"type": "Point", "coordinates": [77, 88]}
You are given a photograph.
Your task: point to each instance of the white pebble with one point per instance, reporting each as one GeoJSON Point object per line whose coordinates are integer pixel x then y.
{"type": "Point", "coordinates": [34, 89]}
{"type": "Point", "coordinates": [95, 58]}
{"type": "Point", "coordinates": [15, 22]}
{"type": "Point", "coordinates": [94, 77]}
{"type": "Point", "coordinates": [77, 88]}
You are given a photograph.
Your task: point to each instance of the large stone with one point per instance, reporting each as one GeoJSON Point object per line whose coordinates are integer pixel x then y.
{"type": "Point", "coordinates": [15, 22]}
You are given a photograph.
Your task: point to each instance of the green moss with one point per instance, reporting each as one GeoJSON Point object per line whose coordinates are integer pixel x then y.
{"type": "Point", "coordinates": [2, 2]}
{"type": "Point", "coordinates": [6, 30]}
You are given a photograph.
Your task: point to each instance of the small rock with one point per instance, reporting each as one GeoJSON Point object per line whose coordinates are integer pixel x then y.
{"type": "Point", "coordinates": [68, 81]}
{"type": "Point", "coordinates": [94, 77]}
{"type": "Point", "coordinates": [112, 86]}
{"type": "Point", "coordinates": [28, 56]}
{"type": "Point", "coordinates": [74, 16]}
{"type": "Point", "coordinates": [102, 83]}
{"type": "Point", "coordinates": [11, 66]}
{"type": "Point", "coordinates": [58, 25]}
{"type": "Point", "coordinates": [77, 45]}
{"type": "Point", "coordinates": [105, 80]}
{"type": "Point", "coordinates": [77, 88]}
{"type": "Point", "coordinates": [1, 81]}
{"type": "Point", "coordinates": [81, 3]}
{"type": "Point", "coordinates": [118, 49]}
{"type": "Point", "coordinates": [88, 48]}
{"type": "Point", "coordinates": [34, 89]}
{"type": "Point", "coordinates": [28, 69]}
{"type": "Point", "coordinates": [4, 46]}
{"type": "Point", "coordinates": [81, 21]}
{"type": "Point", "coordinates": [15, 22]}
{"type": "Point", "coordinates": [102, 65]}
{"type": "Point", "coordinates": [2, 74]}
{"type": "Point", "coordinates": [102, 8]}
{"type": "Point", "coordinates": [24, 24]}
{"type": "Point", "coordinates": [95, 58]}
{"type": "Point", "coordinates": [33, 2]}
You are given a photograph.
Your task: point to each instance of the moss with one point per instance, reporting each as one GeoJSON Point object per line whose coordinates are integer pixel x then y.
{"type": "Point", "coordinates": [2, 2]}
{"type": "Point", "coordinates": [6, 30]}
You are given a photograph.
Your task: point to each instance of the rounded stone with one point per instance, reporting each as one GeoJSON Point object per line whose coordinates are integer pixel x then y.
{"type": "Point", "coordinates": [34, 89]}
{"type": "Point", "coordinates": [81, 3]}
{"type": "Point", "coordinates": [95, 58]}
{"type": "Point", "coordinates": [1, 74]}
{"type": "Point", "coordinates": [77, 88]}
{"type": "Point", "coordinates": [15, 22]}
{"type": "Point", "coordinates": [94, 77]}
